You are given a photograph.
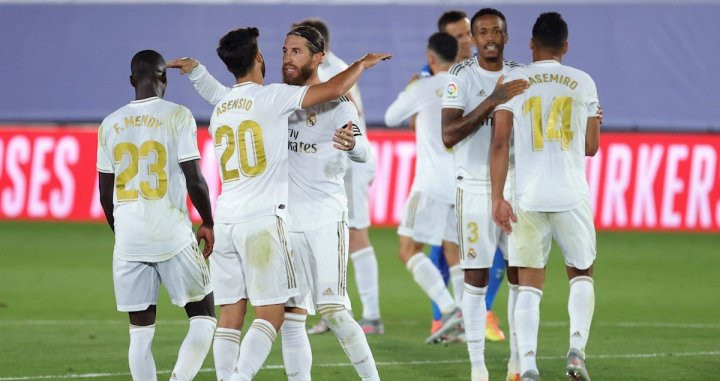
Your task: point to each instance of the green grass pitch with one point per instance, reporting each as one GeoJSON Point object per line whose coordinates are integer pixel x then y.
{"type": "Point", "coordinates": [657, 315]}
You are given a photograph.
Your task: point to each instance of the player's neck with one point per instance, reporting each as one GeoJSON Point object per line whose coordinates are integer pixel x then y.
{"type": "Point", "coordinates": [251, 77]}
{"type": "Point", "coordinates": [544, 55]}
{"type": "Point", "coordinates": [490, 65]}
{"type": "Point", "coordinates": [313, 80]}
{"type": "Point", "coordinates": [439, 68]}
{"type": "Point", "coordinates": [148, 90]}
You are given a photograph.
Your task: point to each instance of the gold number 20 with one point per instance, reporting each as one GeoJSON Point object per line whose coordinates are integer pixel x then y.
{"type": "Point", "coordinates": [156, 169]}
{"type": "Point", "coordinates": [561, 107]}
{"type": "Point", "coordinates": [247, 128]}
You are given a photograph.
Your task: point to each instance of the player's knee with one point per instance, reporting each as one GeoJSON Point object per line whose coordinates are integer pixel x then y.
{"type": "Point", "coordinates": [574, 272]}
{"type": "Point", "coordinates": [143, 318]}
{"type": "Point", "coordinates": [338, 319]}
{"type": "Point", "coordinates": [205, 307]}
{"type": "Point", "coordinates": [477, 277]}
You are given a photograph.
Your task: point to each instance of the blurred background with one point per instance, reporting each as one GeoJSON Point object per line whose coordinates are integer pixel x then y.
{"type": "Point", "coordinates": [64, 66]}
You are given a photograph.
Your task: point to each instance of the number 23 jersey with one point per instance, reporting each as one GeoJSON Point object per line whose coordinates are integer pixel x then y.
{"type": "Point", "coordinates": [249, 127]}
{"type": "Point", "coordinates": [143, 144]}
{"type": "Point", "coordinates": [549, 125]}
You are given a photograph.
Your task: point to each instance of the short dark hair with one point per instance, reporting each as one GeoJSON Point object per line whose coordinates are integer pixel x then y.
{"type": "Point", "coordinates": [315, 40]}
{"type": "Point", "coordinates": [485, 12]}
{"type": "Point", "coordinates": [450, 17]}
{"type": "Point", "coordinates": [550, 30]}
{"type": "Point", "coordinates": [317, 24]}
{"type": "Point", "coordinates": [444, 45]}
{"type": "Point", "coordinates": [237, 50]}
{"type": "Point", "coordinates": [145, 63]}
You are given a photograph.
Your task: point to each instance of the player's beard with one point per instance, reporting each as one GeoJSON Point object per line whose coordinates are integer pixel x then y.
{"type": "Point", "coordinates": [303, 74]}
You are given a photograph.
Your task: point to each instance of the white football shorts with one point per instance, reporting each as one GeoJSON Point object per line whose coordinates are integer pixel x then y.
{"type": "Point", "coordinates": [185, 276]}
{"type": "Point", "coordinates": [428, 220]}
{"type": "Point", "coordinates": [253, 260]}
{"type": "Point", "coordinates": [479, 235]}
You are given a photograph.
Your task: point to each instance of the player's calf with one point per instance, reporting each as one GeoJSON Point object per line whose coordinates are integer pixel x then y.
{"type": "Point", "coordinates": [351, 338]}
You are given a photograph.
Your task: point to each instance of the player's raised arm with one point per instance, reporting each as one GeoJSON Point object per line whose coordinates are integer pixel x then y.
{"type": "Point", "coordinates": [340, 84]}
{"type": "Point", "coordinates": [205, 84]}
{"type": "Point", "coordinates": [456, 127]}
{"type": "Point", "coordinates": [404, 107]}
{"type": "Point", "coordinates": [499, 162]}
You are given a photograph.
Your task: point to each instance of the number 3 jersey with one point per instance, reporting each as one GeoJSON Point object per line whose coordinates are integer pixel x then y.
{"type": "Point", "coordinates": [549, 125]}
{"type": "Point", "coordinates": [249, 126]}
{"type": "Point", "coordinates": [143, 144]}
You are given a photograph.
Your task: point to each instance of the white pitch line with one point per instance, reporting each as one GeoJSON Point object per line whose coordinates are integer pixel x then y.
{"type": "Point", "coordinates": [679, 325]}
{"type": "Point", "coordinates": [380, 363]}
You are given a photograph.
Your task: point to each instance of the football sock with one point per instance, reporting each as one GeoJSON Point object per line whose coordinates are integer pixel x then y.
{"type": "Point", "coordinates": [527, 322]}
{"type": "Point", "coordinates": [226, 348]}
{"type": "Point", "coordinates": [497, 273]}
{"type": "Point", "coordinates": [194, 348]}
{"type": "Point", "coordinates": [297, 355]}
{"type": "Point", "coordinates": [429, 279]}
{"type": "Point", "coordinates": [474, 317]}
{"type": "Point", "coordinates": [140, 358]}
{"type": "Point", "coordinates": [254, 350]}
{"type": "Point", "coordinates": [437, 257]}
{"type": "Point", "coordinates": [457, 278]}
{"type": "Point", "coordinates": [512, 299]}
{"type": "Point", "coordinates": [352, 339]}
{"type": "Point", "coordinates": [581, 306]}
{"type": "Point", "coordinates": [366, 278]}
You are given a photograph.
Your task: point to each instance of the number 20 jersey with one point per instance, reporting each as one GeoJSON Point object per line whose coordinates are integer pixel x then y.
{"type": "Point", "coordinates": [143, 144]}
{"type": "Point", "coordinates": [249, 127]}
{"type": "Point", "coordinates": [549, 125]}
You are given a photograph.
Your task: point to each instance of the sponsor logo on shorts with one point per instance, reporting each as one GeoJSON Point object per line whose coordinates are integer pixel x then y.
{"type": "Point", "coordinates": [471, 253]}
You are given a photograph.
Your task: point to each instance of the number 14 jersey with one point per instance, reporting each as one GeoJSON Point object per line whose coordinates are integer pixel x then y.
{"type": "Point", "coordinates": [549, 125]}
{"type": "Point", "coordinates": [249, 126]}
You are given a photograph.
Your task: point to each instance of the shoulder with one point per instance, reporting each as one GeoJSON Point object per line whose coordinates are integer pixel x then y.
{"type": "Point", "coordinates": [462, 68]}
{"type": "Point", "coordinates": [511, 64]}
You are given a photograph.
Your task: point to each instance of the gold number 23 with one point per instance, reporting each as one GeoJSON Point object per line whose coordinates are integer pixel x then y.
{"type": "Point", "coordinates": [561, 107]}
{"type": "Point", "coordinates": [156, 169]}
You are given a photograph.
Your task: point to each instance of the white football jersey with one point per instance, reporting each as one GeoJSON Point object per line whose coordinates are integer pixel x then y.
{"type": "Point", "coordinates": [317, 188]}
{"type": "Point", "coordinates": [249, 126]}
{"type": "Point", "coordinates": [549, 125]}
{"type": "Point", "coordinates": [143, 144]}
{"type": "Point", "coordinates": [434, 169]}
{"type": "Point", "coordinates": [469, 85]}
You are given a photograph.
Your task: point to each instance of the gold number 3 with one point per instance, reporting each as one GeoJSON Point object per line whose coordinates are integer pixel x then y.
{"type": "Point", "coordinates": [156, 169]}
{"type": "Point", "coordinates": [247, 128]}
{"type": "Point", "coordinates": [560, 107]}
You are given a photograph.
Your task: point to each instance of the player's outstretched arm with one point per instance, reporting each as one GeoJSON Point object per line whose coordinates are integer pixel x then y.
{"type": "Point", "coordinates": [340, 84]}
{"type": "Point", "coordinates": [456, 127]}
{"type": "Point", "coordinates": [205, 84]}
{"type": "Point", "coordinates": [200, 197]}
{"type": "Point", "coordinates": [106, 185]}
{"type": "Point", "coordinates": [499, 161]}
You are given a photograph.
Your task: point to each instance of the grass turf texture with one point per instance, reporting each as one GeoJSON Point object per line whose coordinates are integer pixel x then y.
{"type": "Point", "coordinates": [657, 314]}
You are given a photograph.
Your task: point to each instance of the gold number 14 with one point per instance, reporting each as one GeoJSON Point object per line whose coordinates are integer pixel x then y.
{"type": "Point", "coordinates": [560, 114]}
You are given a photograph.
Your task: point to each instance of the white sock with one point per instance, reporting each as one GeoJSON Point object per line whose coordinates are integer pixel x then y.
{"type": "Point", "coordinates": [527, 322]}
{"type": "Point", "coordinates": [581, 306]}
{"type": "Point", "coordinates": [140, 358]}
{"type": "Point", "coordinates": [428, 277]}
{"type": "Point", "coordinates": [366, 278]}
{"type": "Point", "coordinates": [226, 348]}
{"type": "Point", "coordinates": [474, 316]}
{"type": "Point", "coordinates": [254, 350]}
{"type": "Point", "coordinates": [457, 279]}
{"type": "Point", "coordinates": [297, 355]}
{"type": "Point", "coordinates": [513, 363]}
{"type": "Point", "coordinates": [194, 348]}
{"type": "Point", "coordinates": [352, 339]}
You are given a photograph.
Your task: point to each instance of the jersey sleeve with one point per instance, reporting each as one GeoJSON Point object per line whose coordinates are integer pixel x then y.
{"type": "Point", "coordinates": [403, 107]}
{"type": "Point", "coordinates": [347, 112]}
{"type": "Point", "coordinates": [104, 160]}
{"type": "Point", "coordinates": [456, 92]}
{"type": "Point", "coordinates": [286, 99]}
{"type": "Point", "coordinates": [591, 100]}
{"type": "Point", "coordinates": [187, 136]}
{"type": "Point", "coordinates": [207, 86]}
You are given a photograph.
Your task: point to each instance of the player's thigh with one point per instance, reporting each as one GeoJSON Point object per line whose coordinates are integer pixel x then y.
{"type": "Point", "coordinates": [186, 276]}
{"type": "Point", "coordinates": [425, 219]}
{"type": "Point", "coordinates": [530, 241]}
{"type": "Point", "coordinates": [574, 231]}
{"type": "Point", "coordinates": [476, 230]}
{"type": "Point", "coordinates": [305, 269]}
{"type": "Point", "coordinates": [266, 260]}
{"type": "Point", "coordinates": [329, 245]}
{"type": "Point", "coordinates": [228, 280]}
{"type": "Point", "coordinates": [357, 187]}
{"type": "Point", "coordinates": [136, 285]}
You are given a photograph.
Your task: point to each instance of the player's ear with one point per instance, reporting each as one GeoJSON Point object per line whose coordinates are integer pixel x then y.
{"type": "Point", "coordinates": [132, 80]}
{"type": "Point", "coordinates": [506, 37]}
{"type": "Point", "coordinates": [565, 47]}
{"type": "Point", "coordinates": [430, 57]}
{"type": "Point", "coordinates": [532, 44]}
{"type": "Point", "coordinates": [259, 57]}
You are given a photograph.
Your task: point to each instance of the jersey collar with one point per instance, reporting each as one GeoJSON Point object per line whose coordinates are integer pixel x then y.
{"type": "Point", "coordinates": [145, 100]}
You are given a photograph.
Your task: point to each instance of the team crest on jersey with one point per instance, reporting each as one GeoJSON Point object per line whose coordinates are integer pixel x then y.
{"type": "Point", "coordinates": [471, 253]}
{"type": "Point", "coordinates": [311, 119]}
{"type": "Point", "coordinates": [451, 92]}
{"type": "Point", "coordinates": [438, 92]}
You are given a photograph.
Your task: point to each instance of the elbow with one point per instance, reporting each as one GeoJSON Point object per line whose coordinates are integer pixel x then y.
{"type": "Point", "coordinates": [591, 149]}
{"type": "Point", "coordinates": [447, 140]}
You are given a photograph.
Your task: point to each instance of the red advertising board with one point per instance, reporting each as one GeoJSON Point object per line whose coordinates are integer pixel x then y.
{"type": "Point", "coordinates": [638, 181]}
